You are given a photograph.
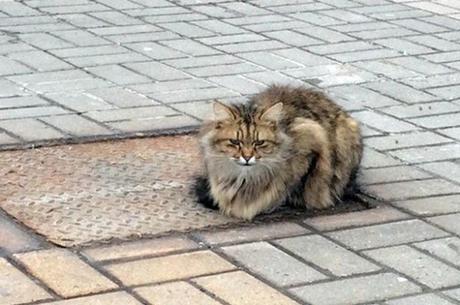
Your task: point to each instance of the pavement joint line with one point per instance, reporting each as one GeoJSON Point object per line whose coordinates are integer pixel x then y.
{"type": "Point", "coordinates": [208, 293]}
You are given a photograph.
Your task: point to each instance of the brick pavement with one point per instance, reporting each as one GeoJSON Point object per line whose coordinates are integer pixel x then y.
{"type": "Point", "coordinates": [83, 70]}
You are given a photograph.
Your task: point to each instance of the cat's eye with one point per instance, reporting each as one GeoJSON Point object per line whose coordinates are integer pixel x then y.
{"type": "Point", "coordinates": [259, 142]}
{"type": "Point", "coordinates": [234, 141]}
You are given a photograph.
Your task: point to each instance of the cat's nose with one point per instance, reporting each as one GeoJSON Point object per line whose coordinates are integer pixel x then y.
{"type": "Point", "coordinates": [247, 160]}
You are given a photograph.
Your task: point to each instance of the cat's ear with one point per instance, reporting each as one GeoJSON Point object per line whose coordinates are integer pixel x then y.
{"type": "Point", "coordinates": [222, 112]}
{"type": "Point", "coordinates": [273, 114]}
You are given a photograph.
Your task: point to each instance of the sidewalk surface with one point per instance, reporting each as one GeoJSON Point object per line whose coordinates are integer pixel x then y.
{"type": "Point", "coordinates": [82, 70]}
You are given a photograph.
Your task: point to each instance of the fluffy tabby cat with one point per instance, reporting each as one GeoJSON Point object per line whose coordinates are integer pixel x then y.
{"type": "Point", "coordinates": [286, 144]}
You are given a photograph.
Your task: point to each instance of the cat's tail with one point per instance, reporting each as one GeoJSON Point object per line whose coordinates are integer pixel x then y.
{"type": "Point", "coordinates": [202, 192]}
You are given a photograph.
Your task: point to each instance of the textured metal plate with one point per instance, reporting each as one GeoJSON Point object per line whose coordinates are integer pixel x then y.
{"type": "Point", "coordinates": [77, 194]}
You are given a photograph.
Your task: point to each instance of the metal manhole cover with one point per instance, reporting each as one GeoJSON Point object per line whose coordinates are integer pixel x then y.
{"type": "Point", "coordinates": [77, 194]}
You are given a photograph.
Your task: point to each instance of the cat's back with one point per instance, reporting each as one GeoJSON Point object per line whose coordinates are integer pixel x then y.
{"type": "Point", "coordinates": [300, 102]}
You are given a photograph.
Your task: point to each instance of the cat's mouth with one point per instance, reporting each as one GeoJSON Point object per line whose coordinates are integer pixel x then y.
{"type": "Point", "coordinates": [246, 161]}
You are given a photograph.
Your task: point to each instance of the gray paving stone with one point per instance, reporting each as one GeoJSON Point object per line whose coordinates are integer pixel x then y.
{"type": "Point", "coordinates": [118, 75]}
{"type": "Point", "coordinates": [341, 47]}
{"type": "Point", "coordinates": [17, 9]}
{"type": "Point", "coordinates": [300, 7]}
{"type": "Point", "coordinates": [193, 62]}
{"type": "Point", "coordinates": [142, 37]}
{"type": "Point", "coordinates": [431, 206]}
{"type": "Point", "coordinates": [383, 122]}
{"type": "Point", "coordinates": [200, 110]}
{"type": "Point", "coordinates": [270, 77]}
{"type": "Point", "coordinates": [327, 255]}
{"type": "Point", "coordinates": [45, 41]}
{"type": "Point", "coordinates": [293, 38]}
{"type": "Point", "coordinates": [227, 69]}
{"type": "Point", "coordinates": [443, 57]}
{"type": "Point", "coordinates": [79, 101]}
{"type": "Point", "coordinates": [253, 233]}
{"type": "Point", "coordinates": [433, 7]}
{"type": "Point", "coordinates": [219, 27]}
{"type": "Point", "coordinates": [154, 124]}
{"type": "Point", "coordinates": [4, 140]}
{"type": "Point", "coordinates": [190, 47]}
{"type": "Point", "coordinates": [448, 170]}
{"type": "Point", "coordinates": [364, 55]}
{"type": "Point", "coordinates": [401, 92]}
{"type": "Point", "coordinates": [273, 264]}
{"type": "Point", "coordinates": [193, 95]}
{"type": "Point", "coordinates": [364, 96]}
{"type": "Point", "coordinates": [417, 265]}
{"type": "Point", "coordinates": [76, 125]}
{"type": "Point", "coordinates": [187, 29]}
{"type": "Point", "coordinates": [428, 154]}
{"type": "Point", "coordinates": [404, 46]}
{"type": "Point", "coordinates": [451, 132]}
{"type": "Point", "coordinates": [373, 158]}
{"type": "Point", "coordinates": [435, 43]}
{"type": "Point", "coordinates": [70, 9]}
{"type": "Point", "coordinates": [413, 189]}
{"type": "Point", "coordinates": [11, 67]}
{"type": "Point", "coordinates": [382, 33]}
{"type": "Point", "coordinates": [96, 60]}
{"type": "Point", "coordinates": [316, 19]}
{"type": "Point", "coordinates": [445, 248]}
{"type": "Point", "coordinates": [83, 20]}
{"type": "Point", "coordinates": [155, 51]}
{"type": "Point", "coordinates": [238, 84]}
{"type": "Point", "coordinates": [30, 129]}
{"type": "Point", "coordinates": [8, 88]}
{"type": "Point", "coordinates": [112, 115]}
{"type": "Point", "coordinates": [270, 60]}
{"type": "Point", "coordinates": [449, 93]}
{"type": "Point", "coordinates": [22, 101]}
{"type": "Point", "coordinates": [346, 16]}
{"type": "Point", "coordinates": [167, 10]}
{"type": "Point", "coordinates": [431, 299]}
{"type": "Point", "coordinates": [420, 26]}
{"type": "Point", "coordinates": [383, 235]}
{"type": "Point", "coordinates": [157, 71]}
{"type": "Point", "coordinates": [275, 26]}
{"type": "Point", "coordinates": [444, 21]}
{"type": "Point", "coordinates": [377, 25]}
{"type": "Point", "coordinates": [16, 113]}
{"type": "Point", "coordinates": [447, 222]}
{"type": "Point", "coordinates": [173, 85]}
{"type": "Point", "coordinates": [391, 174]}
{"type": "Point", "coordinates": [244, 8]}
{"type": "Point", "coordinates": [229, 39]}
{"type": "Point", "coordinates": [127, 29]}
{"type": "Point", "coordinates": [174, 18]}
{"type": "Point", "coordinates": [89, 51]}
{"type": "Point", "coordinates": [453, 293]}
{"type": "Point", "coordinates": [362, 289]}
{"type": "Point", "coordinates": [40, 61]}
{"type": "Point", "coordinates": [382, 67]}
{"type": "Point", "coordinates": [302, 57]}
{"type": "Point", "coordinates": [120, 97]}
{"type": "Point", "coordinates": [116, 18]}
{"type": "Point", "coordinates": [81, 38]}
{"type": "Point", "coordinates": [257, 19]}
{"type": "Point", "coordinates": [397, 141]}
{"type": "Point", "coordinates": [420, 65]}
{"type": "Point", "coordinates": [251, 46]}
{"type": "Point", "coordinates": [417, 110]}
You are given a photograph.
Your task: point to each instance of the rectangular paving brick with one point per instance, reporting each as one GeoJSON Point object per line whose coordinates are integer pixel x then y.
{"type": "Point", "coordinates": [15, 283]}
{"type": "Point", "coordinates": [364, 96]}
{"type": "Point", "coordinates": [273, 264]}
{"type": "Point", "coordinates": [431, 205]}
{"type": "Point", "coordinates": [449, 170]}
{"type": "Point", "coordinates": [303, 57]}
{"type": "Point", "coordinates": [438, 121]}
{"type": "Point", "coordinates": [154, 124]}
{"type": "Point", "coordinates": [431, 299]}
{"type": "Point", "coordinates": [383, 235]}
{"type": "Point", "coordinates": [79, 102]}
{"type": "Point", "coordinates": [229, 39]}
{"type": "Point", "coordinates": [373, 158]}
{"type": "Point", "coordinates": [398, 141]}
{"type": "Point", "coordinates": [64, 272]}
{"type": "Point", "coordinates": [383, 122]}
{"type": "Point", "coordinates": [413, 189]}
{"type": "Point", "coordinates": [157, 71]}
{"type": "Point", "coordinates": [434, 42]}
{"type": "Point", "coordinates": [364, 55]}
{"type": "Point", "coordinates": [41, 61]}
{"type": "Point", "coordinates": [45, 41]}
{"type": "Point", "coordinates": [401, 92]}
{"type": "Point", "coordinates": [364, 289]}
{"type": "Point", "coordinates": [121, 97]}
{"type": "Point", "coordinates": [190, 47]}
{"type": "Point", "coordinates": [327, 255]}
{"type": "Point", "coordinates": [415, 110]}
{"type": "Point", "coordinates": [253, 233]}
{"type": "Point", "coordinates": [130, 113]}
{"type": "Point", "coordinates": [404, 46]}
{"type": "Point", "coordinates": [445, 248]}
{"type": "Point", "coordinates": [410, 262]}
{"type": "Point", "coordinates": [100, 299]}
{"type": "Point", "coordinates": [449, 93]}
{"type": "Point", "coordinates": [155, 51]}
{"type": "Point", "coordinates": [28, 112]}
{"type": "Point", "coordinates": [175, 294]}
{"type": "Point", "coordinates": [391, 174]}
{"type": "Point", "coordinates": [251, 46]}
{"type": "Point", "coordinates": [420, 65]}
{"type": "Point", "coordinates": [76, 125]}
{"type": "Point", "coordinates": [193, 62]}
{"type": "Point", "coordinates": [193, 95]}
{"type": "Point", "coordinates": [447, 222]}
{"type": "Point", "coordinates": [31, 129]}
{"type": "Point", "coordinates": [238, 83]}
{"type": "Point", "coordinates": [451, 132]}
{"type": "Point", "coordinates": [250, 290]}
{"type": "Point", "coordinates": [354, 219]}
{"type": "Point", "coordinates": [22, 101]}
{"type": "Point", "coordinates": [10, 67]}
{"type": "Point", "coordinates": [390, 70]}
{"type": "Point", "coordinates": [174, 267]}
{"type": "Point", "coordinates": [226, 69]}
{"type": "Point", "coordinates": [136, 249]}
{"type": "Point", "coordinates": [118, 75]}
{"type": "Point", "coordinates": [6, 139]}
{"type": "Point", "coordinates": [428, 154]}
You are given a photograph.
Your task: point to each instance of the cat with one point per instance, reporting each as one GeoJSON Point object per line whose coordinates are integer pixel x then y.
{"type": "Point", "coordinates": [285, 145]}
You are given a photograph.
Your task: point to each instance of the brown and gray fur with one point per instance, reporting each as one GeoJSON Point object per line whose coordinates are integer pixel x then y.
{"type": "Point", "coordinates": [286, 144]}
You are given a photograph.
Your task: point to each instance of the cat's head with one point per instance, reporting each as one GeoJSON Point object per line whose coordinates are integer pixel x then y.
{"type": "Point", "coordinates": [245, 136]}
